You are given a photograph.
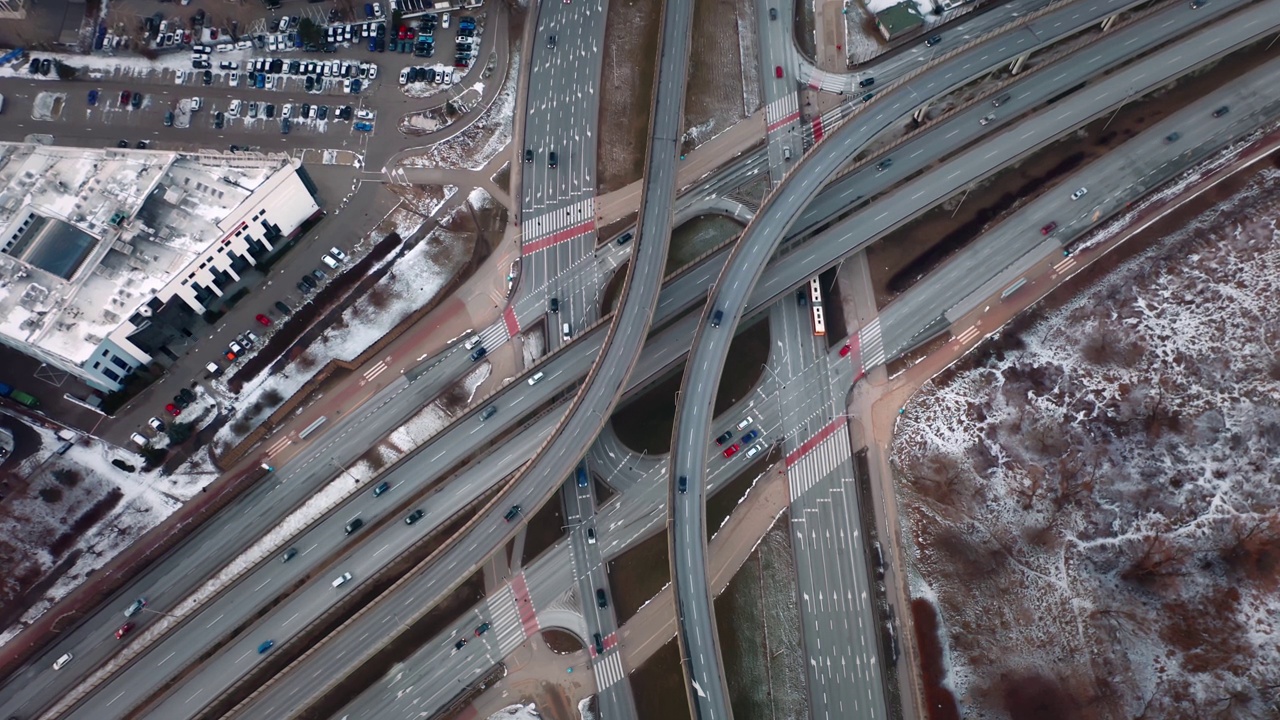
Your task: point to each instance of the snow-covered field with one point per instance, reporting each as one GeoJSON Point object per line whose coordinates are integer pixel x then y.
{"type": "Point", "coordinates": [1093, 501]}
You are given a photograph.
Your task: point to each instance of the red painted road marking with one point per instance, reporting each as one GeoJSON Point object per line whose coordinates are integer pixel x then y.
{"type": "Point", "coordinates": [813, 442]}
{"type": "Point", "coordinates": [817, 128]}
{"type": "Point", "coordinates": [815, 82]}
{"type": "Point", "coordinates": [559, 237]}
{"type": "Point", "coordinates": [524, 606]}
{"type": "Point", "coordinates": [610, 642]}
{"type": "Point", "coordinates": [783, 121]}
{"type": "Point", "coordinates": [513, 322]}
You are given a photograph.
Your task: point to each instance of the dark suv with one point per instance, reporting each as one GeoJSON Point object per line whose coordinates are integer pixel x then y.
{"type": "Point", "coordinates": [353, 526]}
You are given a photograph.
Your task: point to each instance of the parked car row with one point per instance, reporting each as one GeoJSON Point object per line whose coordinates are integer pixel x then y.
{"type": "Point", "coordinates": [746, 440]}
{"type": "Point", "coordinates": [438, 75]}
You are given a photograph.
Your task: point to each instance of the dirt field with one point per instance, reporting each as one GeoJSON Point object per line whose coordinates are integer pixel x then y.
{"type": "Point", "coordinates": [626, 91]}
{"type": "Point", "coordinates": [724, 78]}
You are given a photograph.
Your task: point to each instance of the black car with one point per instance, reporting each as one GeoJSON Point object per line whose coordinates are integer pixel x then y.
{"type": "Point", "coordinates": [601, 599]}
{"type": "Point", "coordinates": [207, 79]}
{"type": "Point", "coordinates": [528, 156]}
{"type": "Point", "coordinates": [802, 298]}
{"type": "Point", "coordinates": [218, 120]}
{"type": "Point", "coordinates": [382, 488]}
{"type": "Point", "coordinates": [478, 353]}
{"type": "Point", "coordinates": [269, 111]}
{"type": "Point", "coordinates": [302, 287]}
{"type": "Point", "coordinates": [277, 66]}
{"type": "Point", "coordinates": [867, 82]}
{"type": "Point", "coordinates": [123, 144]}
{"type": "Point", "coordinates": [34, 67]}
{"type": "Point", "coordinates": [354, 525]}
{"type": "Point", "coordinates": [428, 74]}
{"type": "Point", "coordinates": [414, 517]}
{"type": "Point", "coordinates": [310, 83]}
{"type": "Point", "coordinates": [625, 238]}
{"type": "Point", "coordinates": [306, 110]}
{"type": "Point", "coordinates": [309, 282]}
{"type": "Point", "coordinates": [181, 402]}
{"type": "Point", "coordinates": [289, 554]}
{"type": "Point", "coordinates": [933, 40]}
{"type": "Point", "coordinates": [683, 484]}
{"type": "Point", "coordinates": [294, 66]}
{"type": "Point", "coordinates": [283, 308]}
{"type": "Point", "coordinates": [599, 644]}
{"type": "Point", "coordinates": [513, 513]}
{"type": "Point", "coordinates": [554, 305]}
{"type": "Point", "coordinates": [322, 112]}
{"type": "Point", "coordinates": [551, 159]}
{"type": "Point", "coordinates": [460, 644]}
{"type": "Point", "coordinates": [136, 102]}
{"type": "Point", "coordinates": [45, 66]}
{"type": "Point", "coordinates": [726, 437]}
{"type": "Point", "coordinates": [318, 274]}
{"type": "Point", "coordinates": [773, 13]}
{"type": "Point", "coordinates": [1221, 111]}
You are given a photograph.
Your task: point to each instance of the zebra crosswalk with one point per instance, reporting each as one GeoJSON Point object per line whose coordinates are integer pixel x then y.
{"type": "Point", "coordinates": [505, 619]}
{"type": "Point", "coordinates": [817, 457]}
{"type": "Point", "coordinates": [872, 344]}
{"type": "Point", "coordinates": [608, 670]}
{"type": "Point", "coordinates": [782, 111]}
{"type": "Point", "coordinates": [557, 226]}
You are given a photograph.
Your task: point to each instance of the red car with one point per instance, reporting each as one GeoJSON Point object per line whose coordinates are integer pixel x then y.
{"type": "Point", "coordinates": [844, 351]}
{"type": "Point", "coordinates": [777, 70]}
{"type": "Point", "coordinates": [731, 450]}
{"type": "Point", "coordinates": [231, 356]}
{"type": "Point", "coordinates": [125, 629]}
{"type": "Point", "coordinates": [173, 410]}
{"type": "Point", "coordinates": [263, 319]}
{"type": "Point", "coordinates": [124, 97]}
{"type": "Point", "coordinates": [1048, 228]}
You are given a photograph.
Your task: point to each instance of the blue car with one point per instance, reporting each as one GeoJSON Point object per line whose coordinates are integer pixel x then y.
{"type": "Point", "coordinates": [364, 126]}
{"type": "Point", "coordinates": [93, 97]}
{"type": "Point", "coordinates": [750, 436]}
{"type": "Point", "coordinates": [356, 85]}
{"type": "Point", "coordinates": [265, 646]}
{"type": "Point", "coordinates": [373, 44]}
{"type": "Point", "coordinates": [261, 82]}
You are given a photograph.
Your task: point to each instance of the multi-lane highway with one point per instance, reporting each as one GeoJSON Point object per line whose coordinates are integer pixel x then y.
{"type": "Point", "coordinates": [747, 262]}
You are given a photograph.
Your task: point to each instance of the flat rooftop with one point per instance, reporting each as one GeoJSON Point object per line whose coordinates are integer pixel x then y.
{"type": "Point", "coordinates": [86, 236]}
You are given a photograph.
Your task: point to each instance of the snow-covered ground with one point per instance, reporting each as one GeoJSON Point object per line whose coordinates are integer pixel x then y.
{"type": "Point", "coordinates": [1093, 500]}
{"type": "Point", "coordinates": [517, 712]}
{"type": "Point", "coordinates": [474, 147]}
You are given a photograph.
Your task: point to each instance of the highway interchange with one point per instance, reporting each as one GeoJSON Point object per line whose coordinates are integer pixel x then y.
{"type": "Point", "coordinates": [385, 536]}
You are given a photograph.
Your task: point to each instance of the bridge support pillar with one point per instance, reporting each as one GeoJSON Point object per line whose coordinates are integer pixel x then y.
{"type": "Point", "coordinates": [918, 115]}
{"type": "Point", "coordinates": [1109, 22]}
{"type": "Point", "coordinates": [1018, 63]}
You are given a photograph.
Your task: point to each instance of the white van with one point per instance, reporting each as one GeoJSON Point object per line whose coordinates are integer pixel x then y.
{"type": "Point", "coordinates": [537, 378]}
{"type": "Point", "coordinates": [566, 331]}
{"type": "Point", "coordinates": [341, 579]}
{"type": "Point", "coordinates": [66, 658]}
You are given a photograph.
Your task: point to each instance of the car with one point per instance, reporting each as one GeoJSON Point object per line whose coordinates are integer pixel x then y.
{"type": "Point", "coordinates": [731, 450]}
{"type": "Point", "coordinates": [1195, 4]}
{"type": "Point", "coordinates": [488, 413]}
{"type": "Point", "coordinates": [356, 85]}
{"type": "Point", "coordinates": [716, 318]}
{"type": "Point", "coordinates": [934, 40]}
{"type": "Point", "coordinates": [364, 126]}
{"type": "Point", "coordinates": [168, 119]}
{"type": "Point", "coordinates": [601, 599]}
{"type": "Point", "coordinates": [1221, 111]}
{"type": "Point", "coordinates": [262, 319]}
{"type": "Point", "coordinates": [135, 607]}
{"type": "Point", "coordinates": [749, 437]}
{"type": "Point", "coordinates": [173, 410]}
{"type": "Point", "coordinates": [213, 369]}
{"type": "Point", "coordinates": [207, 77]}
{"type": "Point", "coordinates": [352, 526]}
{"type": "Point", "coordinates": [124, 97]}
{"type": "Point", "coordinates": [745, 423]}
{"type": "Point", "coordinates": [184, 398]}
{"type": "Point", "coordinates": [683, 484]}
{"type": "Point", "coordinates": [322, 112]}
{"type": "Point", "coordinates": [986, 119]}
{"type": "Point", "coordinates": [289, 554]}
{"type": "Point", "coordinates": [551, 159]}
{"type": "Point", "coordinates": [551, 41]}
{"type": "Point", "coordinates": [625, 237]}
{"type": "Point", "coordinates": [234, 108]}
{"type": "Point", "coordinates": [283, 308]}
{"type": "Point", "coordinates": [236, 348]}
{"type": "Point", "coordinates": [364, 114]}
{"type": "Point", "coordinates": [725, 437]}
{"type": "Point", "coordinates": [265, 646]}
{"type": "Point", "coordinates": [868, 97]}
{"type": "Point", "coordinates": [1001, 100]}
{"type": "Point", "coordinates": [404, 76]}
{"type": "Point", "coordinates": [34, 67]}
{"type": "Point", "coordinates": [866, 82]}
{"type": "Point", "coordinates": [460, 644]}
{"type": "Point", "coordinates": [66, 657]}
{"type": "Point", "coordinates": [1172, 137]}
{"type": "Point", "coordinates": [381, 488]}
{"type": "Point", "coordinates": [844, 351]}
{"type": "Point", "coordinates": [139, 440]}
{"type": "Point", "coordinates": [480, 630]}
{"type": "Point", "coordinates": [268, 111]}
{"type": "Point", "coordinates": [581, 474]}
{"type": "Point", "coordinates": [773, 13]}
{"type": "Point", "coordinates": [218, 120]}
{"type": "Point", "coordinates": [755, 450]}
{"type": "Point", "coordinates": [1048, 228]}
{"type": "Point", "coordinates": [429, 74]}
{"type": "Point", "coordinates": [227, 65]}
{"type": "Point", "coordinates": [309, 282]}
{"type": "Point", "coordinates": [599, 640]}
{"type": "Point", "coordinates": [136, 101]}
{"type": "Point", "coordinates": [45, 66]}
{"type": "Point", "coordinates": [302, 287]}
{"type": "Point", "coordinates": [884, 164]}
{"type": "Point", "coordinates": [537, 378]}
{"type": "Point", "coordinates": [287, 110]}
{"type": "Point", "coordinates": [341, 256]}
{"type": "Point", "coordinates": [156, 424]}
{"type": "Point", "coordinates": [414, 516]}
{"type": "Point", "coordinates": [341, 580]}
{"type": "Point", "coordinates": [93, 97]}
{"type": "Point", "coordinates": [309, 84]}
{"type": "Point", "coordinates": [125, 629]}
{"type": "Point", "coordinates": [253, 109]}
{"type": "Point", "coordinates": [1079, 193]}
{"type": "Point", "coordinates": [141, 145]}
{"type": "Point", "coordinates": [231, 355]}
{"type": "Point", "coordinates": [591, 536]}
{"type": "Point", "coordinates": [513, 513]}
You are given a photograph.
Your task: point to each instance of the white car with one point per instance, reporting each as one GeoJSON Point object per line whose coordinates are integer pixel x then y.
{"type": "Point", "coordinates": [180, 78]}
{"type": "Point", "coordinates": [346, 85]}
{"type": "Point", "coordinates": [287, 111]}
{"type": "Point", "coordinates": [745, 423]}
{"type": "Point", "coordinates": [196, 104]}
{"type": "Point", "coordinates": [234, 109]}
{"type": "Point", "coordinates": [404, 76]}
{"type": "Point", "coordinates": [1079, 193]}
{"type": "Point", "coordinates": [373, 71]}
{"type": "Point", "coordinates": [341, 580]}
{"type": "Point", "coordinates": [244, 45]}
{"type": "Point", "coordinates": [342, 257]}
{"type": "Point", "coordinates": [363, 114]}
{"type": "Point", "coordinates": [60, 662]}
{"type": "Point", "coordinates": [234, 78]}
{"type": "Point", "coordinates": [754, 450]}
{"type": "Point", "coordinates": [156, 424]}
{"type": "Point", "coordinates": [377, 10]}
{"type": "Point", "coordinates": [141, 442]}
{"type": "Point", "coordinates": [271, 82]}
{"type": "Point", "coordinates": [444, 20]}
